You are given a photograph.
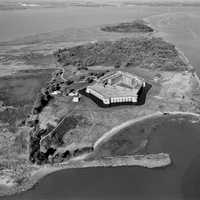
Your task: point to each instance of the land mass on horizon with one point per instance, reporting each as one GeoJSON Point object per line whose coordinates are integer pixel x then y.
{"type": "Point", "coordinates": [35, 4]}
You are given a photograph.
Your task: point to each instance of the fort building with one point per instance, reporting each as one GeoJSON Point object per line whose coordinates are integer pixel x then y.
{"type": "Point", "coordinates": [117, 87]}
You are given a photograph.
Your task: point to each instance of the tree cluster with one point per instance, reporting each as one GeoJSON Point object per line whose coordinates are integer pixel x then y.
{"type": "Point", "coordinates": [132, 27]}
{"type": "Point", "coordinates": [152, 53]}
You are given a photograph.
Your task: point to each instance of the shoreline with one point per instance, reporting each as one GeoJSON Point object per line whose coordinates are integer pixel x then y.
{"type": "Point", "coordinates": [134, 160]}
{"type": "Point", "coordinates": [42, 172]}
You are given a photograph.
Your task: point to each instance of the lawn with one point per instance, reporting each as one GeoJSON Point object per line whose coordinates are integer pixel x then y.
{"type": "Point", "coordinates": [20, 92]}
{"type": "Point", "coordinates": [22, 88]}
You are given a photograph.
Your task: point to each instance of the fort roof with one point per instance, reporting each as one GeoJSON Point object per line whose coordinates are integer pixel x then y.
{"type": "Point", "coordinates": [125, 85]}
{"type": "Point", "coordinates": [114, 91]}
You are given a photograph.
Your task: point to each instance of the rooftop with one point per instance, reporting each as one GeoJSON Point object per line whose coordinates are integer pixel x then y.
{"type": "Point", "coordinates": [124, 85]}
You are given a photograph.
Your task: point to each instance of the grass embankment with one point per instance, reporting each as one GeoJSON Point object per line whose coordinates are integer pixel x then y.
{"type": "Point", "coordinates": [48, 144]}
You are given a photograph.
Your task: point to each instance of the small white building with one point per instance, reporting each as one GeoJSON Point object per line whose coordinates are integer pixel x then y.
{"type": "Point", "coordinates": [56, 92]}
{"type": "Point", "coordinates": [72, 94]}
{"type": "Point", "coordinates": [76, 99]}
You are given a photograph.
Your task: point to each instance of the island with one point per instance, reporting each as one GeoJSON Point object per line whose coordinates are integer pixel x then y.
{"type": "Point", "coordinates": [138, 26]}
{"type": "Point", "coordinates": [76, 113]}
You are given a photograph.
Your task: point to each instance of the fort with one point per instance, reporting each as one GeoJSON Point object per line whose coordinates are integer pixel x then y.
{"type": "Point", "coordinates": [117, 87]}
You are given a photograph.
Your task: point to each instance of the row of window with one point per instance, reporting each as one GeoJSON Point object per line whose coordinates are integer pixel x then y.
{"type": "Point", "coordinates": [112, 99]}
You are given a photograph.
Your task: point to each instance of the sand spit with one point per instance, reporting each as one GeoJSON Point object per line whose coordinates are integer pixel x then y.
{"type": "Point", "coordinates": [149, 161]}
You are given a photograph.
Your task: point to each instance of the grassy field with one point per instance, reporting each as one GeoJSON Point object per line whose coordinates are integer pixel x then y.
{"type": "Point", "coordinates": [20, 92]}
{"type": "Point", "coordinates": [22, 88]}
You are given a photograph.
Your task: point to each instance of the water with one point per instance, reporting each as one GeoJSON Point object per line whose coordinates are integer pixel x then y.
{"type": "Point", "coordinates": [19, 23]}
{"type": "Point", "coordinates": [181, 181]}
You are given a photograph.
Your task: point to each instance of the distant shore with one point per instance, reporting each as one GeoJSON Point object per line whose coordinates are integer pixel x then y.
{"type": "Point", "coordinates": [35, 4]}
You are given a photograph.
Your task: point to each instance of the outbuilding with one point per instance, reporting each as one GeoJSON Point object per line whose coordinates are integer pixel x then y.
{"type": "Point", "coordinates": [56, 92]}
{"type": "Point", "coordinates": [76, 99]}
